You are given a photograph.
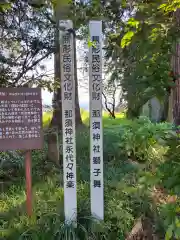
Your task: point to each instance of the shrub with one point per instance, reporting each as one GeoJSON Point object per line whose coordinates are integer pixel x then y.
{"type": "Point", "coordinates": [128, 185]}
{"type": "Point", "coordinates": [137, 138]}
{"type": "Point", "coordinates": [10, 165]}
{"type": "Point", "coordinates": [169, 217]}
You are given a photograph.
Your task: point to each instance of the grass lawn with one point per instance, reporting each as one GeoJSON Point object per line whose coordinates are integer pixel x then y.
{"type": "Point", "coordinates": [126, 198]}
{"type": "Point", "coordinates": [47, 116]}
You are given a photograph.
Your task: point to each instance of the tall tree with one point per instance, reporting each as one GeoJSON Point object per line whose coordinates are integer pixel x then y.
{"type": "Point", "coordinates": [62, 11]}
{"type": "Point", "coordinates": [27, 35]}
{"type": "Point", "coordinates": [26, 41]}
{"type": "Point", "coordinates": [141, 51]}
{"type": "Point", "coordinates": [176, 70]}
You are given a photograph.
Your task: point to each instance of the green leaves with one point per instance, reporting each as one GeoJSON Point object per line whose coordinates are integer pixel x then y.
{"type": "Point", "coordinates": [5, 6]}
{"type": "Point", "coordinates": [173, 230]}
{"type": "Point", "coordinates": [25, 51]}
{"type": "Point", "coordinates": [126, 40]}
{"type": "Point", "coordinates": [169, 232]}
{"type": "Point", "coordinates": [91, 43]}
{"type": "Point", "coordinates": [132, 22]}
{"type": "Point", "coordinates": [169, 7]}
{"type": "Point", "coordinates": [60, 3]}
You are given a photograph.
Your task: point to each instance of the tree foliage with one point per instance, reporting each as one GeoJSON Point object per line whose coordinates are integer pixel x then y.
{"type": "Point", "coordinates": [140, 36]}
{"type": "Point", "coordinates": [144, 50]}
{"type": "Point", "coordinates": [26, 37]}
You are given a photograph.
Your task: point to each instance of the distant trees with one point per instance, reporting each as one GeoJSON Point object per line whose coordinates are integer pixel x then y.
{"type": "Point", "coordinates": [26, 42]}
{"type": "Point", "coordinates": [113, 100]}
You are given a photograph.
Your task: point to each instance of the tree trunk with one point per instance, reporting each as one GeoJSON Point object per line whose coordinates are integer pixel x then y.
{"type": "Point", "coordinates": [176, 71]}
{"type": "Point", "coordinates": [165, 108]}
{"type": "Point", "coordinates": [170, 112]}
{"type": "Point", "coordinates": [57, 101]}
{"type": "Point", "coordinates": [133, 113]}
{"type": "Point", "coordinates": [53, 144]}
{"type": "Point", "coordinates": [77, 108]}
{"type": "Point", "coordinates": [134, 107]}
{"type": "Point", "coordinates": [57, 105]}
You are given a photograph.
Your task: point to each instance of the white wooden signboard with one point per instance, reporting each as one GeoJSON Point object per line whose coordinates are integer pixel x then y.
{"type": "Point", "coordinates": [68, 118]}
{"type": "Point", "coordinates": [96, 128]}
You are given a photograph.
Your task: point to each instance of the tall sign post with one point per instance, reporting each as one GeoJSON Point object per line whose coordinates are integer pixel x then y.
{"type": "Point", "coordinates": [68, 119]}
{"type": "Point", "coordinates": [96, 128]}
{"type": "Point", "coordinates": [21, 127]}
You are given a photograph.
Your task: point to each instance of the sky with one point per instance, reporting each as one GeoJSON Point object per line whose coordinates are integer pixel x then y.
{"type": "Point", "coordinates": [83, 78]}
{"type": "Point", "coordinates": [83, 88]}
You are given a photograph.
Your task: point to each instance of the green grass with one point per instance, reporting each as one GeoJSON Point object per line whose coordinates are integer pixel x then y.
{"type": "Point", "coordinates": [127, 195]}
{"type": "Point", "coordinates": [120, 117]}
{"type": "Point", "coordinates": [47, 188]}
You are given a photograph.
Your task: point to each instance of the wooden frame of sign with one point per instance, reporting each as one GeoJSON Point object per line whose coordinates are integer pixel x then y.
{"type": "Point", "coordinates": [20, 119]}
{"type": "Point", "coordinates": [21, 127]}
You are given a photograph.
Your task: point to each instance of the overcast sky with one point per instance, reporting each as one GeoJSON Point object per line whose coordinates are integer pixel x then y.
{"type": "Point", "coordinates": [82, 78]}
